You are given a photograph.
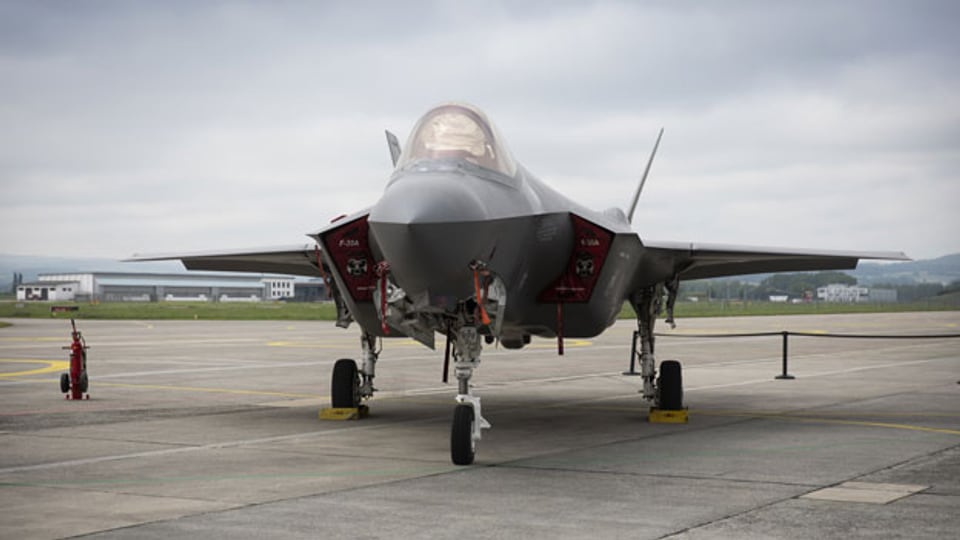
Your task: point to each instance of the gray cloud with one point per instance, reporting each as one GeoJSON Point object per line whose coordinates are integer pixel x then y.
{"type": "Point", "coordinates": [191, 125]}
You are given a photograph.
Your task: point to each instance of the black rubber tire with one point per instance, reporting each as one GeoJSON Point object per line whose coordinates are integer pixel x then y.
{"type": "Point", "coordinates": [462, 450]}
{"type": "Point", "coordinates": [345, 385]}
{"type": "Point", "coordinates": [671, 386]}
{"type": "Point", "coordinates": [64, 383]}
{"type": "Point", "coordinates": [84, 382]}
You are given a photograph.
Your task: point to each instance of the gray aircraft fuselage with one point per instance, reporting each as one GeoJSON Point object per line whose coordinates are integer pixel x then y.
{"type": "Point", "coordinates": [440, 215]}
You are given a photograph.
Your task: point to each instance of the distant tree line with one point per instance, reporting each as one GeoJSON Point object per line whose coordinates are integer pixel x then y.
{"type": "Point", "coordinates": [796, 285]}
{"type": "Point", "coordinates": [17, 281]}
{"type": "Point", "coordinates": [918, 291]}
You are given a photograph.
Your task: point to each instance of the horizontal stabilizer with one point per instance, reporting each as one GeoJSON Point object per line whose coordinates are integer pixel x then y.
{"type": "Point", "coordinates": [687, 260]}
{"type": "Point", "coordinates": [301, 260]}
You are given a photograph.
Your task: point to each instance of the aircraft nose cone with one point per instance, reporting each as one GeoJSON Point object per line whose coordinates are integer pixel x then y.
{"type": "Point", "coordinates": [431, 198]}
{"type": "Point", "coordinates": [429, 229]}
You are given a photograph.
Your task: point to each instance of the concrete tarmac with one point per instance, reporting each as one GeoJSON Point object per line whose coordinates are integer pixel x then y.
{"type": "Point", "coordinates": [210, 430]}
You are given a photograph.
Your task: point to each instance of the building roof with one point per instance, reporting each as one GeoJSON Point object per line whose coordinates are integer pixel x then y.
{"type": "Point", "coordinates": [47, 283]}
{"type": "Point", "coordinates": [190, 281]}
{"type": "Point", "coordinates": [184, 275]}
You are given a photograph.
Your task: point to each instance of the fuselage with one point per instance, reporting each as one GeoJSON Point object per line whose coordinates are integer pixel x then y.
{"type": "Point", "coordinates": [458, 202]}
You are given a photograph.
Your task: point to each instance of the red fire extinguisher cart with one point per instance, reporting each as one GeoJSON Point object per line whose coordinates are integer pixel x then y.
{"type": "Point", "coordinates": [75, 383]}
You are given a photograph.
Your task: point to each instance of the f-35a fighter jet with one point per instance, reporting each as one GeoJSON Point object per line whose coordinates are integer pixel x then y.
{"type": "Point", "coordinates": [467, 244]}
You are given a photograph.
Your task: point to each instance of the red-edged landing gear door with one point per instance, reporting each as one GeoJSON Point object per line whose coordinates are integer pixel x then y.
{"type": "Point", "coordinates": [575, 285]}
{"type": "Point", "coordinates": [591, 245]}
{"type": "Point", "coordinates": [348, 249]}
{"type": "Point", "coordinates": [348, 254]}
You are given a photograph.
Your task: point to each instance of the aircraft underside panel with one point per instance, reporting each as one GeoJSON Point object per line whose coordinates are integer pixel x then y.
{"type": "Point", "coordinates": [589, 318]}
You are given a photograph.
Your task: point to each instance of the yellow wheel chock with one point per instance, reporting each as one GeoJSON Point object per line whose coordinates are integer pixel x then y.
{"type": "Point", "coordinates": [662, 416]}
{"type": "Point", "coordinates": [344, 413]}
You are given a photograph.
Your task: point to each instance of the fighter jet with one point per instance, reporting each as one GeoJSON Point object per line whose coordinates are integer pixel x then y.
{"type": "Point", "coordinates": [468, 245]}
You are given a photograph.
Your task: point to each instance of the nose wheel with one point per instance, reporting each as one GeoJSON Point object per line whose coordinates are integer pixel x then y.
{"type": "Point", "coordinates": [462, 446]}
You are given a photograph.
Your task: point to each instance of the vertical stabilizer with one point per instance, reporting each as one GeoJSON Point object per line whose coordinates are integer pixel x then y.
{"type": "Point", "coordinates": [394, 144]}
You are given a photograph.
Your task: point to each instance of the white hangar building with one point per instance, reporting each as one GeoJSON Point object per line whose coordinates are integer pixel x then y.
{"type": "Point", "coordinates": [137, 287]}
{"type": "Point", "coordinates": [47, 291]}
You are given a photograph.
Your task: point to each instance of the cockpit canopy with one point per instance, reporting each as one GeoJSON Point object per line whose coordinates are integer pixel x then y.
{"type": "Point", "coordinates": [457, 131]}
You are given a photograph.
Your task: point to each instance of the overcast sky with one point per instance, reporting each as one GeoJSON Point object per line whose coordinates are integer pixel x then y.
{"type": "Point", "coordinates": [169, 126]}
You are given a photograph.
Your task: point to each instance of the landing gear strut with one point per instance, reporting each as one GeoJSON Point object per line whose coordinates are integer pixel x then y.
{"type": "Point", "coordinates": [468, 422]}
{"type": "Point", "coordinates": [666, 392]}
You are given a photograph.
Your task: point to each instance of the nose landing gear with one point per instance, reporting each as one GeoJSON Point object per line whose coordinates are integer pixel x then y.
{"type": "Point", "coordinates": [468, 423]}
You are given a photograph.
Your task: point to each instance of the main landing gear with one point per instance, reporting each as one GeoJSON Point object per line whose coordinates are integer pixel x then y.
{"type": "Point", "coordinates": [350, 385]}
{"type": "Point", "coordinates": [666, 393]}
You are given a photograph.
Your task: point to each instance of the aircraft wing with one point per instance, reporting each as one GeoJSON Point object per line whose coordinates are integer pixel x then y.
{"type": "Point", "coordinates": [300, 260]}
{"type": "Point", "coordinates": [700, 261]}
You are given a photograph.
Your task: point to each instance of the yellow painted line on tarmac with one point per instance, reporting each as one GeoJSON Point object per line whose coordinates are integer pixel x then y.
{"type": "Point", "coordinates": [234, 391]}
{"type": "Point", "coordinates": [803, 418]}
{"type": "Point", "coordinates": [819, 414]}
{"type": "Point", "coordinates": [33, 338]}
{"type": "Point", "coordinates": [908, 427]}
{"type": "Point", "coordinates": [566, 343]}
{"type": "Point", "coordinates": [320, 345]}
{"type": "Point", "coordinates": [819, 420]}
{"type": "Point", "coordinates": [51, 366]}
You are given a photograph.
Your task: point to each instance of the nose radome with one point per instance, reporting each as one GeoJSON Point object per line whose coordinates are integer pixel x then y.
{"type": "Point", "coordinates": [421, 199]}
{"type": "Point", "coordinates": [429, 231]}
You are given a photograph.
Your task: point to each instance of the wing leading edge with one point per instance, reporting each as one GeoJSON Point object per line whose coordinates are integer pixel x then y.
{"type": "Point", "coordinates": [700, 261]}
{"type": "Point", "coordinates": [302, 260]}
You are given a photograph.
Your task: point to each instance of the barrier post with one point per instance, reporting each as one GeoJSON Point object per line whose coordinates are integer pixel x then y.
{"type": "Point", "coordinates": [784, 375]}
{"type": "Point", "coordinates": [633, 355]}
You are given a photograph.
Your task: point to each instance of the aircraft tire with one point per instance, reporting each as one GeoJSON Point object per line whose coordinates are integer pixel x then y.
{"type": "Point", "coordinates": [84, 382]}
{"type": "Point", "coordinates": [64, 383]}
{"type": "Point", "coordinates": [462, 449]}
{"type": "Point", "coordinates": [345, 385]}
{"type": "Point", "coordinates": [671, 386]}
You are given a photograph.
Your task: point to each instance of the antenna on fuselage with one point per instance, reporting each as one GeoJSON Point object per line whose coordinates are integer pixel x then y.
{"type": "Point", "coordinates": [643, 180]}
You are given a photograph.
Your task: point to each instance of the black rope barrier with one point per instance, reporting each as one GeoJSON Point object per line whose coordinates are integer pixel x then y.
{"type": "Point", "coordinates": [784, 375]}
{"type": "Point", "coordinates": [812, 334]}
{"type": "Point", "coordinates": [874, 336]}
{"type": "Point", "coordinates": [752, 334]}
